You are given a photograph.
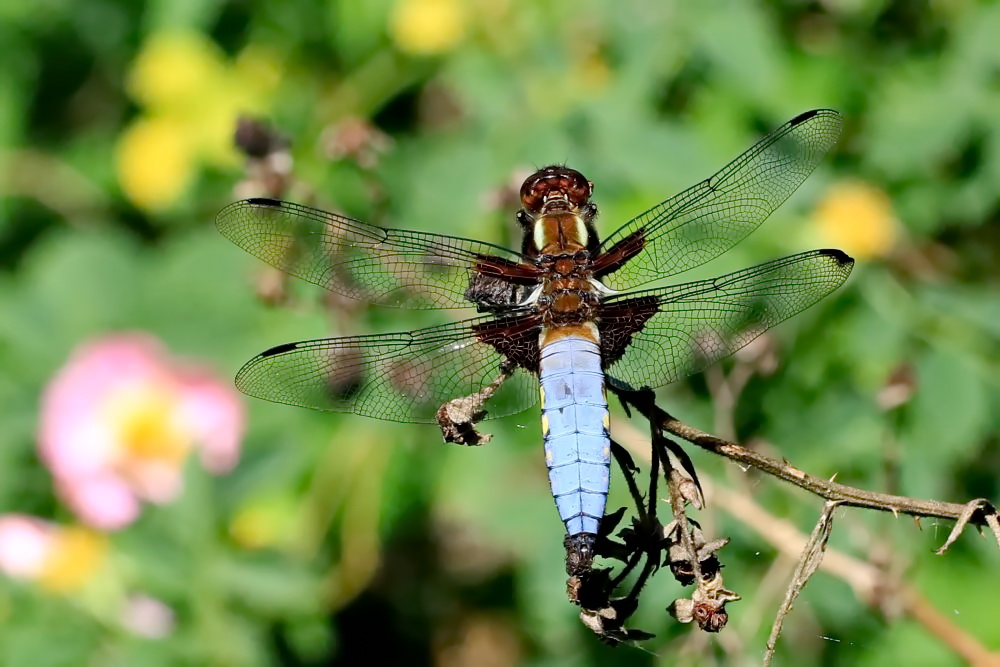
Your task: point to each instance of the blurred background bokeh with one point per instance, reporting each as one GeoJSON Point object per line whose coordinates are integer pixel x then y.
{"type": "Point", "coordinates": [151, 516]}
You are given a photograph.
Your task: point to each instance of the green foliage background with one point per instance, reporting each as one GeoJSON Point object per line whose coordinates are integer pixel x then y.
{"type": "Point", "coordinates": [374, 543]}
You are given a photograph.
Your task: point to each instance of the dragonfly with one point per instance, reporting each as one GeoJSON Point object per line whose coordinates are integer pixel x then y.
{"type": "Point", "coordinates": [558, 320]}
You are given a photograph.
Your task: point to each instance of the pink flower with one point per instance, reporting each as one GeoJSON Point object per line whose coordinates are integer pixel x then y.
{"type": "Point", "coordinates": [59, 558]}
{"type": "Point", "coordinates": [119, 420]}
{"type": "Point", "coordinates": [24, 544]}
{"type": "Point", "coordinates": [148, 617]}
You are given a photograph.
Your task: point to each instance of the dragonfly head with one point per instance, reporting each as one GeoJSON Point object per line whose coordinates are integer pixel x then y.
{"type": "Point", "coordinates": [556, 188]}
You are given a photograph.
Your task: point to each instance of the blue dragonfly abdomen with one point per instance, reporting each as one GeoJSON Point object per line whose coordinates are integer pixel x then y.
{"type": "Point", "coordinates": [575, 427]}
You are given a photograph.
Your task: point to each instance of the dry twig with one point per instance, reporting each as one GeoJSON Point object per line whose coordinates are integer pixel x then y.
{"type": "Point", "coordinates": [809, 561]}
{"type": "Point", "coordinates": [978, 512]}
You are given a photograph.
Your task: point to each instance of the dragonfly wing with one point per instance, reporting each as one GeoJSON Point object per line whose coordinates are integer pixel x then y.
{"type": "Point", "coordinates": [654, 337]}
{"type": "Point", "coordinates": [404, 376]}
{"type": "Point", "coordinates": [711, 217]}
{"type": "Point", "coordinates": [393, 267]}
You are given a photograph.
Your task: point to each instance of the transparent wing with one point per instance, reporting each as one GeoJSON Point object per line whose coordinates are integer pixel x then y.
{"type": "Point", "coordinates": [711, 217]}
{"type": "Point", "coordinates": [393, 267]}
{"type": "Point", "coordinates": [682, 329]}
{"type": "Point", "coordinates": [403, 376]}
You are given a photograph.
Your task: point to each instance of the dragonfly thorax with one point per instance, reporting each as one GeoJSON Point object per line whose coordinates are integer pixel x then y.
{"type": "Point", "coordinates": [560, 233]}
{"type": "Point", "coordinates": [568, 300]}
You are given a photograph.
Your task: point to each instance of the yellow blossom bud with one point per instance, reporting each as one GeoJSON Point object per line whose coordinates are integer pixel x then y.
{"type": "Point", "coordinates": [154, 159]}
{"type": "Point", "coordinates": [173, 69]}
{"type": "Point", "coordinates": [427, 27]}
{"type": "Point", "coordinates": [75, 555]}
{"type": "Point", "coordinates": [857, 218]}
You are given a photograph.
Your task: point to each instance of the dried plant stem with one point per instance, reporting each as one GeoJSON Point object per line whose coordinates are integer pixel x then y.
{"type": "Point", "coordinates": [809, 562]}
{"type": "Point", "coordinates": [979, 512]}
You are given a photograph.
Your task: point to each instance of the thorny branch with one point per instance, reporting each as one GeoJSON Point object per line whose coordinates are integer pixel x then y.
{"type": "Point", "coordinates": [868, 583]}
{"type": "Point", "coordinates": [978, 512]}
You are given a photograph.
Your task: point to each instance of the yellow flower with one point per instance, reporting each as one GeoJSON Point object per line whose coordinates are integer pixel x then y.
{"type": "Point", "coordinates": [155, 161]}
{"type": "Point", "coordinates": [146, 426]}
{"type": "Point", "coordinates": [174, 68]}
{"type": "Point", "coordinates": [60, 558]}
{"type": "Point", "coordinates": [857, 218]}
{"type": "Point", "coordinates": [77, 553]}
{"type": "Point", "coordinates": [191, 97]}
{"type": "Point", "coordinates": [427, 27]}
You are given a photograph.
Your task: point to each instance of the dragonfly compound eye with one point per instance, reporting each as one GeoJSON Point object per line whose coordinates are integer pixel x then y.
{"type": "Point", "coordinates": [555, 183]}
